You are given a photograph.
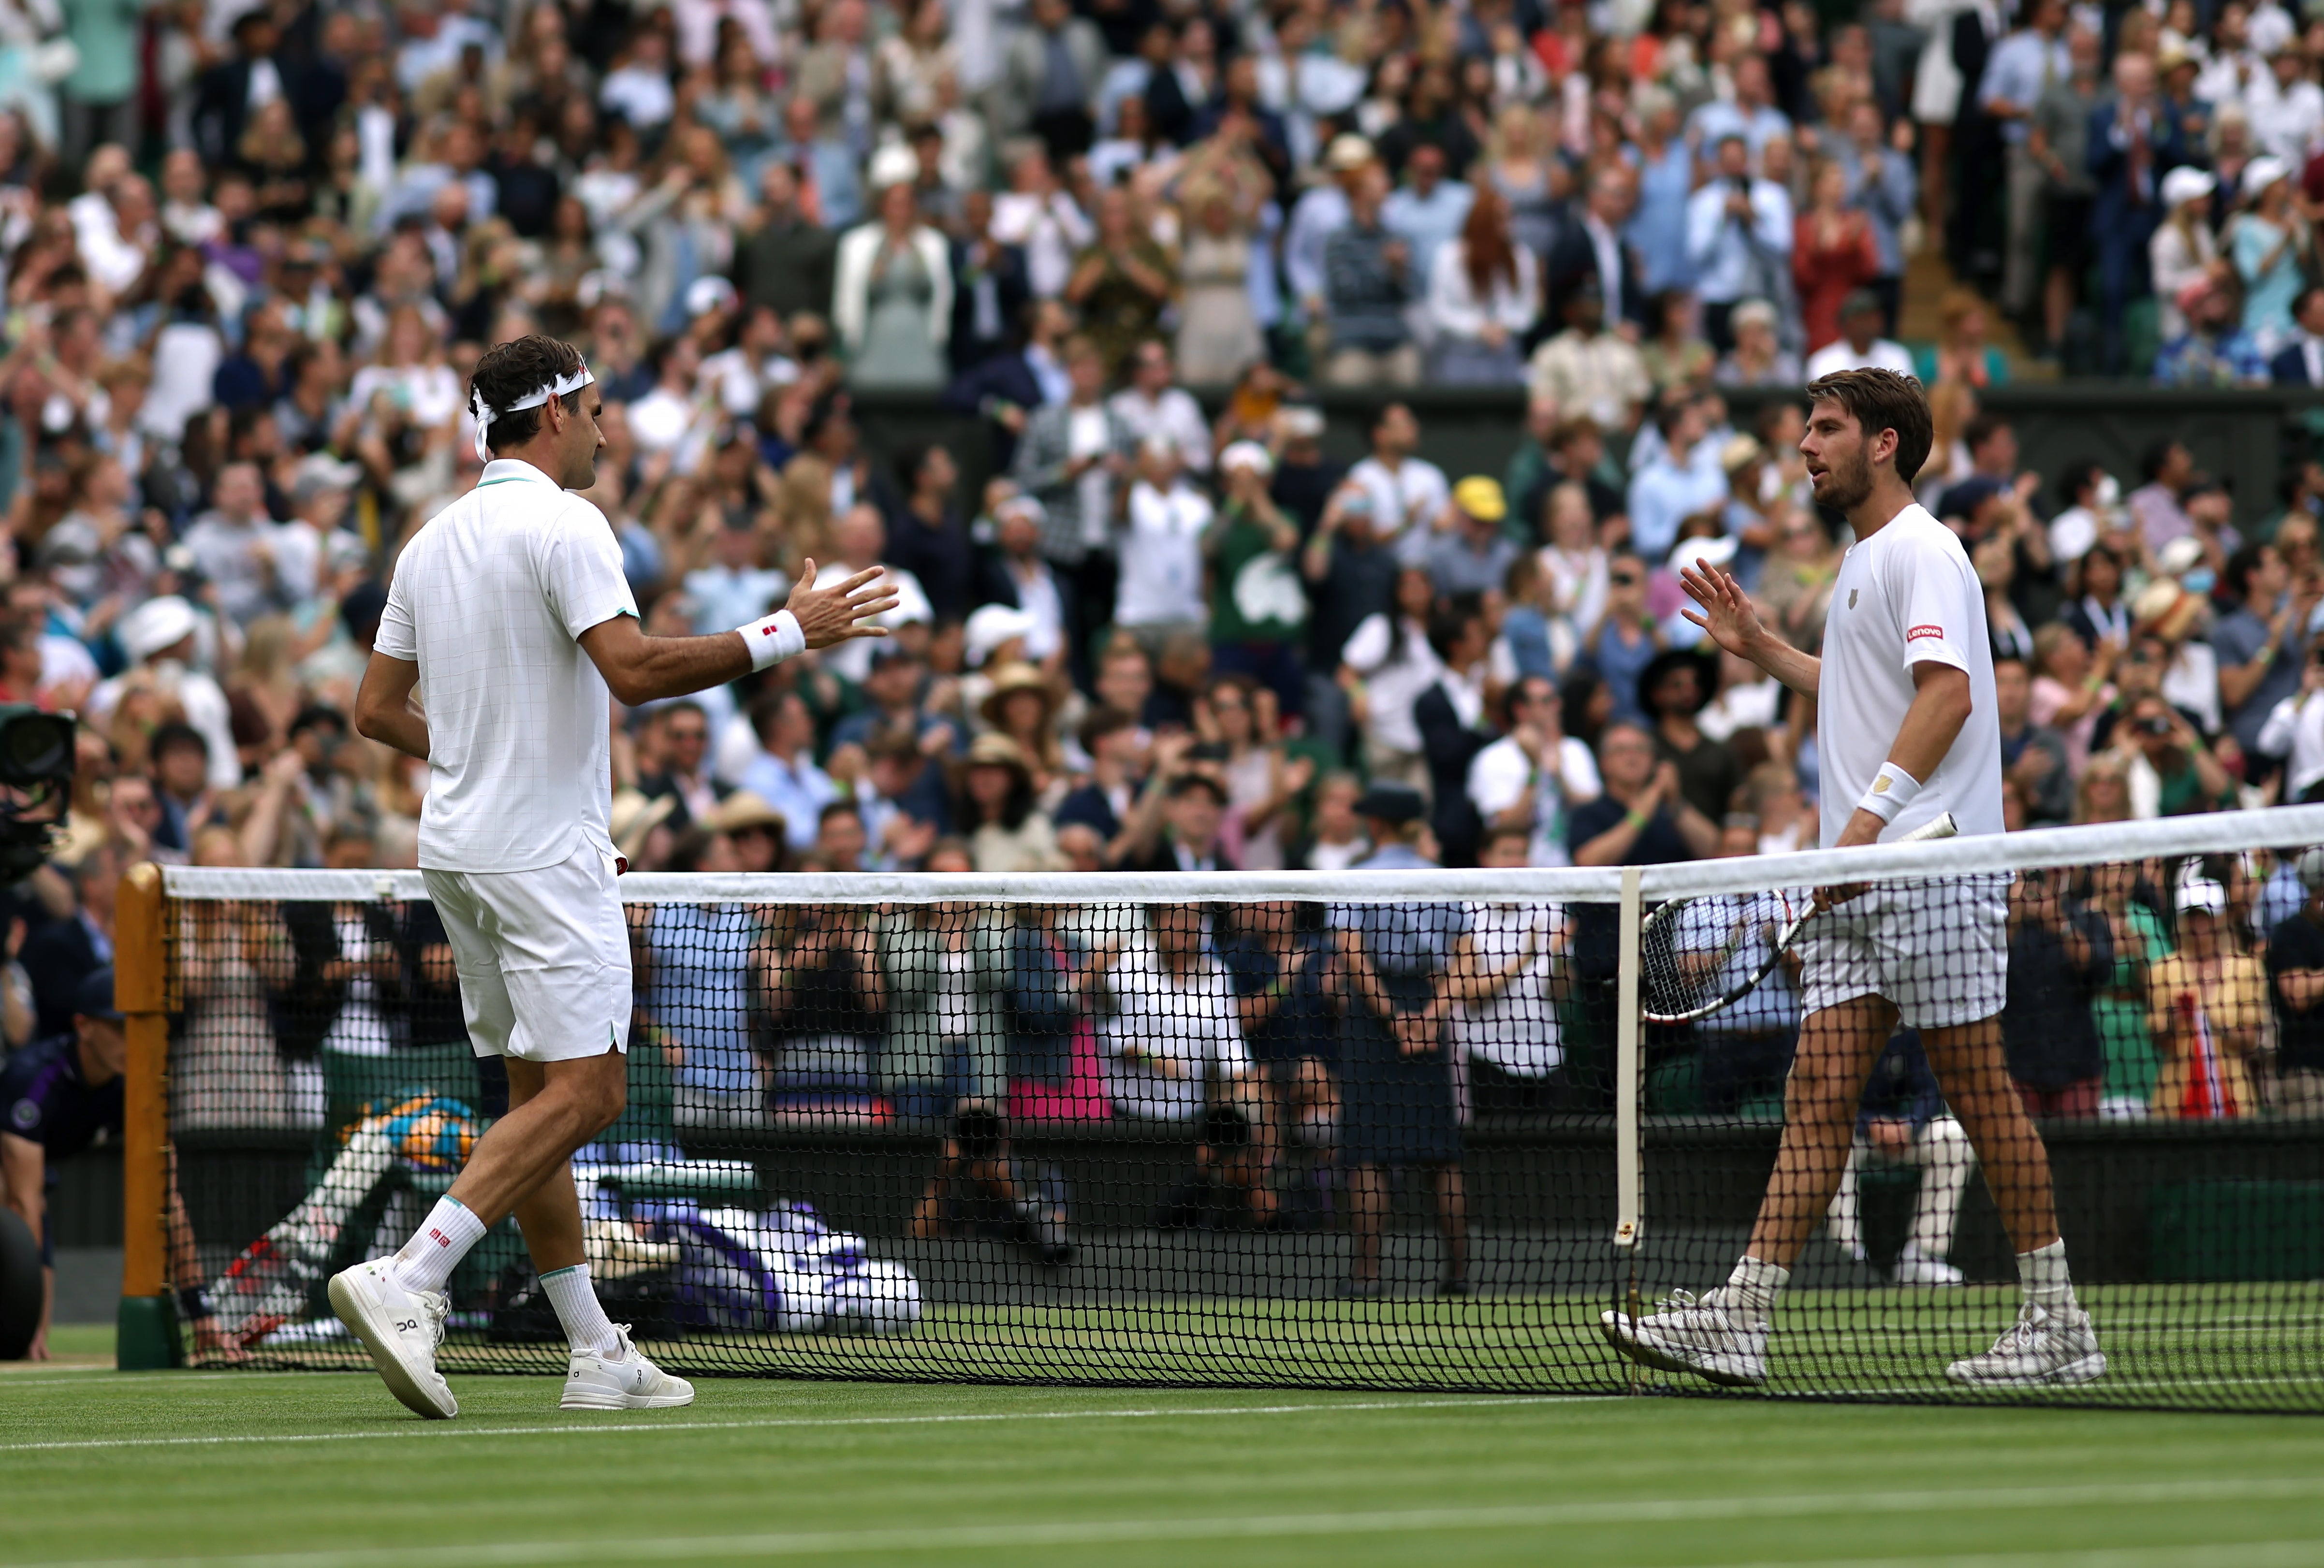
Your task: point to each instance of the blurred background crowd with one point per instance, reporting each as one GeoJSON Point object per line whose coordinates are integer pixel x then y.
{"type": "Point", "coordinates": [250, 252]}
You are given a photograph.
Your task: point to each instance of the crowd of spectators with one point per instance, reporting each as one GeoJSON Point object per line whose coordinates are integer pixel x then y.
{"type": "Point", "coordinates": [250, 253]}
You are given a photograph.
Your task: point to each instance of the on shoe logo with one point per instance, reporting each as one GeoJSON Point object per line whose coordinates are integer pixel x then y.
{"type": "Point", "coordinates": [407, 1325]}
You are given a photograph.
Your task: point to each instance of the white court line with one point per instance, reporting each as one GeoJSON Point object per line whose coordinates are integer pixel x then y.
{"type": "Point", "coordinates": [1406, 1521]}
{"type": "Point", "coordinates": [2209, 1555]}
{"type": "Point", "coordinates": [433, 1430]}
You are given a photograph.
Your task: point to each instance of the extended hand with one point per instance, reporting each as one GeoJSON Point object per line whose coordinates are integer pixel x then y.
{"type": "Point", "coordinates": [1726, 609]}
{"type": "Point", "coordinates": [844, 611]}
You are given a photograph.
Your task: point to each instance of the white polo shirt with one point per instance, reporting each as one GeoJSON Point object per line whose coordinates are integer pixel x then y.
{"type": "Point", "coordinates": [488, 600]}
{"type": "Point", "coordinates": [1191, 1021]}
{"type": "Point", "coordinates": [1906, 595]}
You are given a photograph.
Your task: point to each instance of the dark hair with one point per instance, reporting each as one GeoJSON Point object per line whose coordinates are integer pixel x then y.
{"type": "Point", "coordinates": [517, 369]}
{"type": "Point", "coordinates": [1575, 697]}
{"type": "Point", "coordinates": [1014, 810]}
{"type": "Point", "coordinates": [832, 808]}
{"type": "Point", "coordinates": [2156, 457]}
{"type": "Point", "coordinates": [1104, 720]}
{"type": "Point", "coordinates": [2236, 575]}
{"type": "Point", "coordinates": [1673, 411]}
{"type": "Point", "coordinates": [1188, 782]}
{"type": "Point", "coordinates": [1494, 835]}
{"type": "Point", "coordinates": [1516, 694]}
{"type": "Point", "coordinates": [1980, 429]}
{"type": "Point", "coordinates": [318, 716]}
{"type": "Point", "coordinates": [171, 736]}
{"type": "Point", "coordinates": [1449, 621]}
{"type": "Point", "coordinates": [1881, 400]}
{"type": "Point", "coordinates": [686, 854]}
{"type": "Point", "coordinates": [2078, 476]}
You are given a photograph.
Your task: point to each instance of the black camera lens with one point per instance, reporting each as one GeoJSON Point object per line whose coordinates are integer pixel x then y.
{"type": "Point", "coordinates": [35, 748]}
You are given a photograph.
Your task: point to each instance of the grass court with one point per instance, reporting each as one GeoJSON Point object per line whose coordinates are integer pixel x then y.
{"type": "Point", "coordinates": [319, 1470]}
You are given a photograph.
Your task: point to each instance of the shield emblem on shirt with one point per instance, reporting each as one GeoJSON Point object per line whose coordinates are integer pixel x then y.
{"type": "Point", "coordinates": [1851, 598]}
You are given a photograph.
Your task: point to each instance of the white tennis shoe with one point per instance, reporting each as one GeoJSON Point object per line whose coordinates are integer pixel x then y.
{"type": "Point", "coordinates": [624, 1381]}
{"type": "Point", "coordinates": [402, 1330]}
{"type": "Point", "coordinates": [1700, 1334]}
{"type": "Point", "coordinates": [2039, 1348]}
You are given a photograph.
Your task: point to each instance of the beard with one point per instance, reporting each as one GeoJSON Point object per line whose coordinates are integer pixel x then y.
{"type": "Point", "coordinates": [1847, 484]}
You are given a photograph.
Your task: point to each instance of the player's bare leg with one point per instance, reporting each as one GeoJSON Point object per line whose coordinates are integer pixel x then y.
{"type": "Point", "coordinates": [1723, 1334]}
{"type": "Point", "coordinates": [2053, 1340]}
{"type": "Point", "coordinates": [1970, 1067]}
{"type": "Point", "coordinates": [1837, 1048]}
{"type": "Point", "coordinates": [605, 1372]}
{"type": "Point", "coordinates": [553, 1108]}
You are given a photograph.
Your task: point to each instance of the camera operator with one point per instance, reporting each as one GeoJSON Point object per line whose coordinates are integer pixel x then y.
{"type": "Point", "coordinates": [980, 1188]}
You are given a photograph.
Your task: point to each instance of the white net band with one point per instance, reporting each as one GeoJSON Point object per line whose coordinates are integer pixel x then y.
{"type": "Point", "coordinates": [2210, 833]}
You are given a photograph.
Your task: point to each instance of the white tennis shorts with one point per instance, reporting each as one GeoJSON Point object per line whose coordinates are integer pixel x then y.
{"type": "Point", "coordinates": [543, 956]}
{"type": "Point", "coordinates": [1939, 950]}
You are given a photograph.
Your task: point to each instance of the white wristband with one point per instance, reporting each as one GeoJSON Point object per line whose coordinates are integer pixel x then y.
{"type": "Point", "coordinates": [1892, 791]}
{"type": "Point", "coordinates": [774, 639]}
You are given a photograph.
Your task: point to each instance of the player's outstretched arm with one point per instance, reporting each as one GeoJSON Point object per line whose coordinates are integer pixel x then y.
{"type": "Point", "coordinates": [383, 705]}
{"type": "Point", "coordinates": [1725, 611]}
{"type": "Point", "coordinates": [640, 669]}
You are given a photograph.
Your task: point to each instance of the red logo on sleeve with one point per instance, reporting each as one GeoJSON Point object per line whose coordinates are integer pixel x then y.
{"type": "Point", "coordinates": [1914, 633]}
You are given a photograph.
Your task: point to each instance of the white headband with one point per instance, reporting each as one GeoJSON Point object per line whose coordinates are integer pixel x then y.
{"type": "Point", "coordinates": [563, 386]}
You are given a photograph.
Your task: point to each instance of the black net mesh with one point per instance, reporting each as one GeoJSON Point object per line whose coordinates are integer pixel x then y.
{"type": "Point", "coordinates": [1349, 1144]}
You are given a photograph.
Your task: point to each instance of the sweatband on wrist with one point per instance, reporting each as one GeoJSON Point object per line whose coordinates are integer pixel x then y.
{"type": "Point", "coordinates": [773, 640]}
{"type": "Point", "coordinates": [193, 1304]}
{"type": "Point", "coordinates": [1892, 791]}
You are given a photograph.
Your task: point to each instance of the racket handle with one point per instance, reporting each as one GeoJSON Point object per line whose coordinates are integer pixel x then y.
{"type": "Point", "coordinates": [1944, 827]}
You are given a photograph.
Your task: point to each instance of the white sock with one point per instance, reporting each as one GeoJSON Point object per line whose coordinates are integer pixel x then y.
{"type": "Point", "coordinates": [436, 1249]}
{"type": "Point", "coordinates": [586, 1326]}
{"type": "Point", "coordinates": [2048, 1285]}
{"type": "Point", "coordinates": [1754, 1286]}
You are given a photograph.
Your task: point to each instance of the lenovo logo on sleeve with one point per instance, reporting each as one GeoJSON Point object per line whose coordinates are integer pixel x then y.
{"type": "Point", "coordinates": [1914, 633]}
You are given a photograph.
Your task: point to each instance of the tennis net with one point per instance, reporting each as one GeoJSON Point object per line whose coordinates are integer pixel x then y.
{"type": "Point", "coordinates": [1376, 1128]}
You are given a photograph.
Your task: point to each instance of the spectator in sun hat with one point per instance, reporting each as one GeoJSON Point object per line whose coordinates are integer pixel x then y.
{"type": "Point", "coordinates": [998, 810]}
{"type": "Point", "coordinates": [2207, 1004]}
{"type": "Point", "coordinates": [2270, 246]}
{"type": "Point", "coordinates": [1320, 213]}
{"type": "Point", "coordinates": [1258, 603]}
{"type": "Point", "coordinates": [2166, 615]}
{"type": "Point", "coordinates": [162, 638]}
{"type": "Point", "coordinates": [2184, 249]}
{"type": "Point", "coordinates": [892, 297]}
{"type": "Point", "coordinates": [1469, 552]}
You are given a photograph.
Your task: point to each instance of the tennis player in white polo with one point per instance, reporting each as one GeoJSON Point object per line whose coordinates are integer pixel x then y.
{"type": "Point", "coordinates": [1905, 730]}
{"type": "Point", "coordinates": [510, 615]}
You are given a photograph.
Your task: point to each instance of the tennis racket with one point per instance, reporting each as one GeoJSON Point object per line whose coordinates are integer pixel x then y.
{"type": "Point", "coordinates": [1687, 947]}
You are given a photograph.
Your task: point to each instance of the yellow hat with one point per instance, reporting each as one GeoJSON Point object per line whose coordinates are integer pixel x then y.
{"type": "Point", "coordinates": [1480, 498]}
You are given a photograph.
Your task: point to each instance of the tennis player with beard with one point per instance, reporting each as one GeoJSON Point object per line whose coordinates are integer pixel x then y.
{"type": "Point", "coordinates": [509, 616]}
{"type": "Point", "coordinates": [1905, 730]}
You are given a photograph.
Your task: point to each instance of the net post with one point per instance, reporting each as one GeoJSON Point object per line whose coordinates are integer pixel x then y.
{"type": "Point", "coordinates": [147, 1331]}
{"type": "Point", "coordinates": [1626, 1098]}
